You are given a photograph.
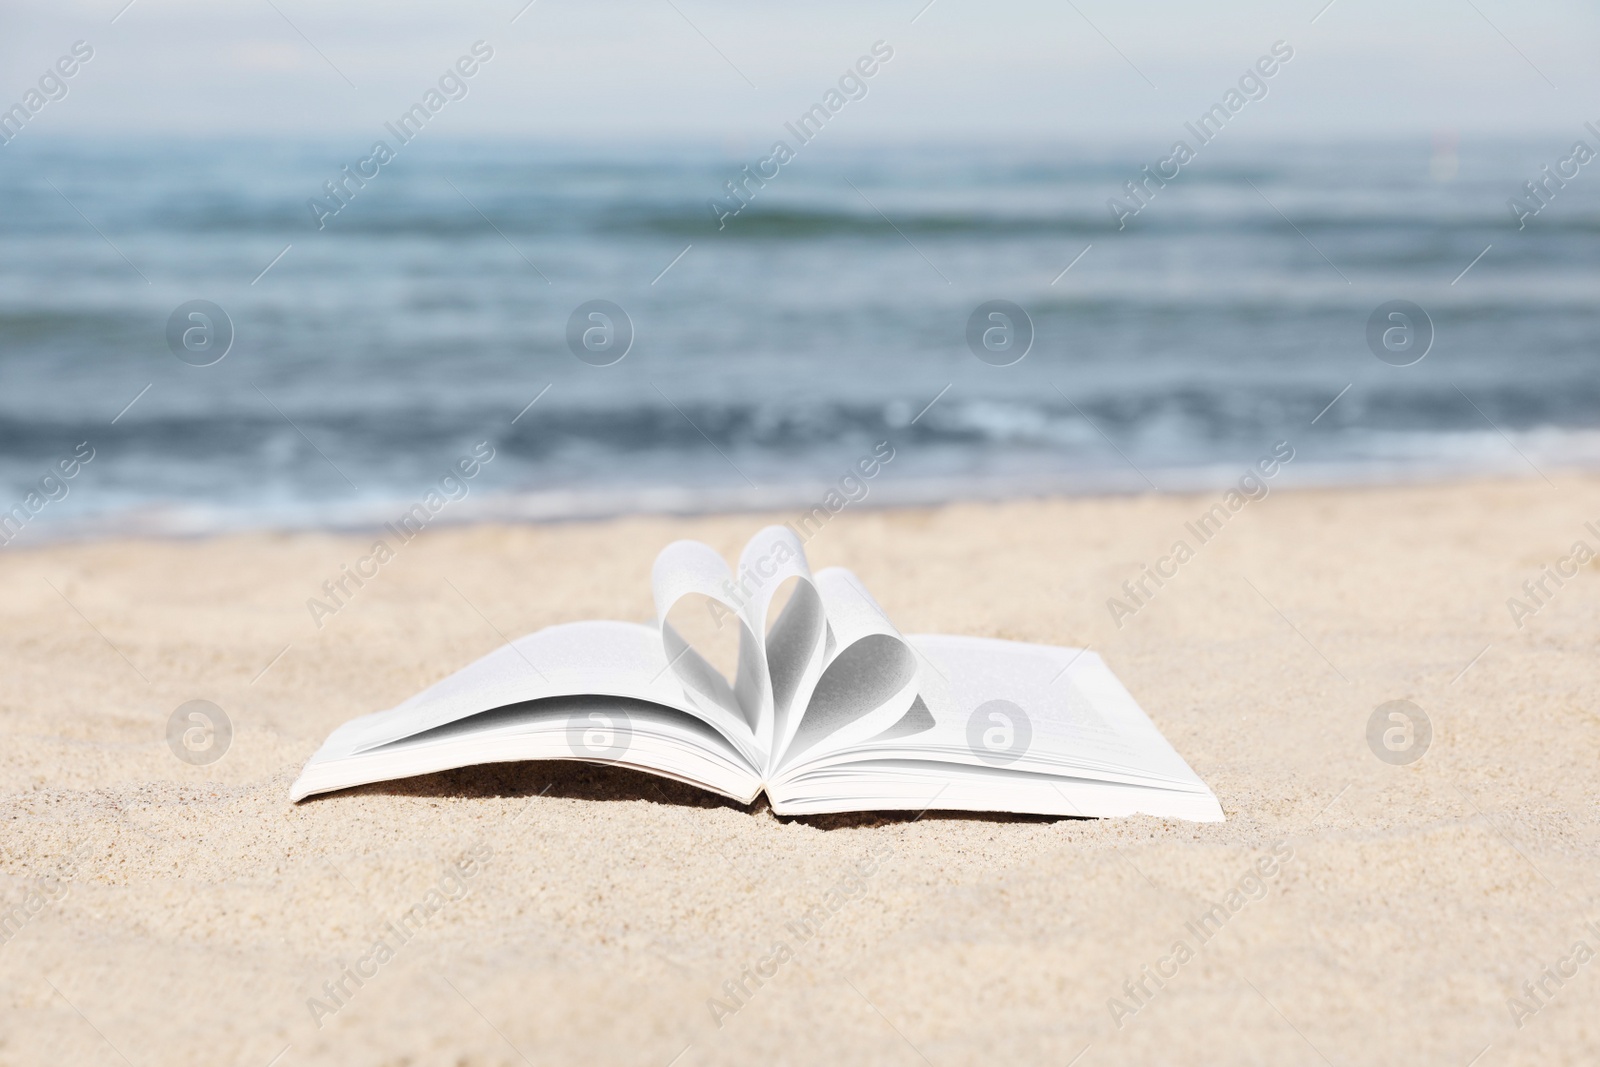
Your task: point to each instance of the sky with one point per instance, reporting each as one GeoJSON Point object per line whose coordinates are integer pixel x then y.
{"type": "Point", "coordinates": [659, 70]}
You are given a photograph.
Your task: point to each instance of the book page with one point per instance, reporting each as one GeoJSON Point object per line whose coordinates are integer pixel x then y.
{"type": "Point", "coordinates": [1005, 726]}
{"type": "Point", "coordinates": [796, 643]}
{"type": "Point", "coordinates": [1030, 708]}
{"type": "Point", "coordinates": [617, 659]}
{"type": "Point", "coordinates": [869, 680]}
{"type": "Point", "coordinates": [920, 785]}
{"type": "Point", "coordinates": [601, 729]}
{"type": "Point", "coordinates": [690, 568]}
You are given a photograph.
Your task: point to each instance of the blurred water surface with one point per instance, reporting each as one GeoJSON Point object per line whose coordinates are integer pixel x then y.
{"type": "Point", "coordinates": [778, 349]}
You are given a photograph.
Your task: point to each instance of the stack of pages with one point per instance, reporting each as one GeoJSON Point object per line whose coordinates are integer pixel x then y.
{"type": "Point", "coordinates": [832, 709]}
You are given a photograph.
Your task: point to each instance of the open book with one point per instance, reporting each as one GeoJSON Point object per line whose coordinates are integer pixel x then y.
{"type": "Point", "coordinates": [830, 709]}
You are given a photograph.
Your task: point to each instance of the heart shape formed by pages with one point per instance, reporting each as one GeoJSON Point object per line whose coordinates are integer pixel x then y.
{"type": "Point", "coordinates": [829, 709]}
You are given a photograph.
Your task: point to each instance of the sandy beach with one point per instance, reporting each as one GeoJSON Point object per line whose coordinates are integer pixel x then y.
{"type": "Point", "coordinates": [1381, 913]}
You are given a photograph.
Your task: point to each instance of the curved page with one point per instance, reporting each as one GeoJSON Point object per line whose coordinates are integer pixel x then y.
{"type": "Point", "coordinates": [920, 785]}
{"type": "Point", "coordinates": [627, 733]}
{"type": "Point", "coordinates": [686, 568]}
{"type": "Point", "coordinates": [869, 681]}
{"type": "Point", "coordinates": [616, 659]}
{"type": "Point", "coordinates": [796, 645]}
{"type": "Point", "coordinates": [1009, 727]}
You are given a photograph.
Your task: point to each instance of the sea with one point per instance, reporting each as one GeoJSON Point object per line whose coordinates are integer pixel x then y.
{"type": "Point", "coordinates": [983, 312]}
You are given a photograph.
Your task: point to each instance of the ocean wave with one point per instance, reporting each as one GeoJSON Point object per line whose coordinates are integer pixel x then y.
{"type": "Point", "coordinates": [821, 319]}
{"type": "Point", "coordinates": [1211, 417]}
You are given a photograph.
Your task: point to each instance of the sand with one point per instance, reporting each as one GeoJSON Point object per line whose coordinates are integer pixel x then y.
{"type": "Point", "coordinates": [176, 914]}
